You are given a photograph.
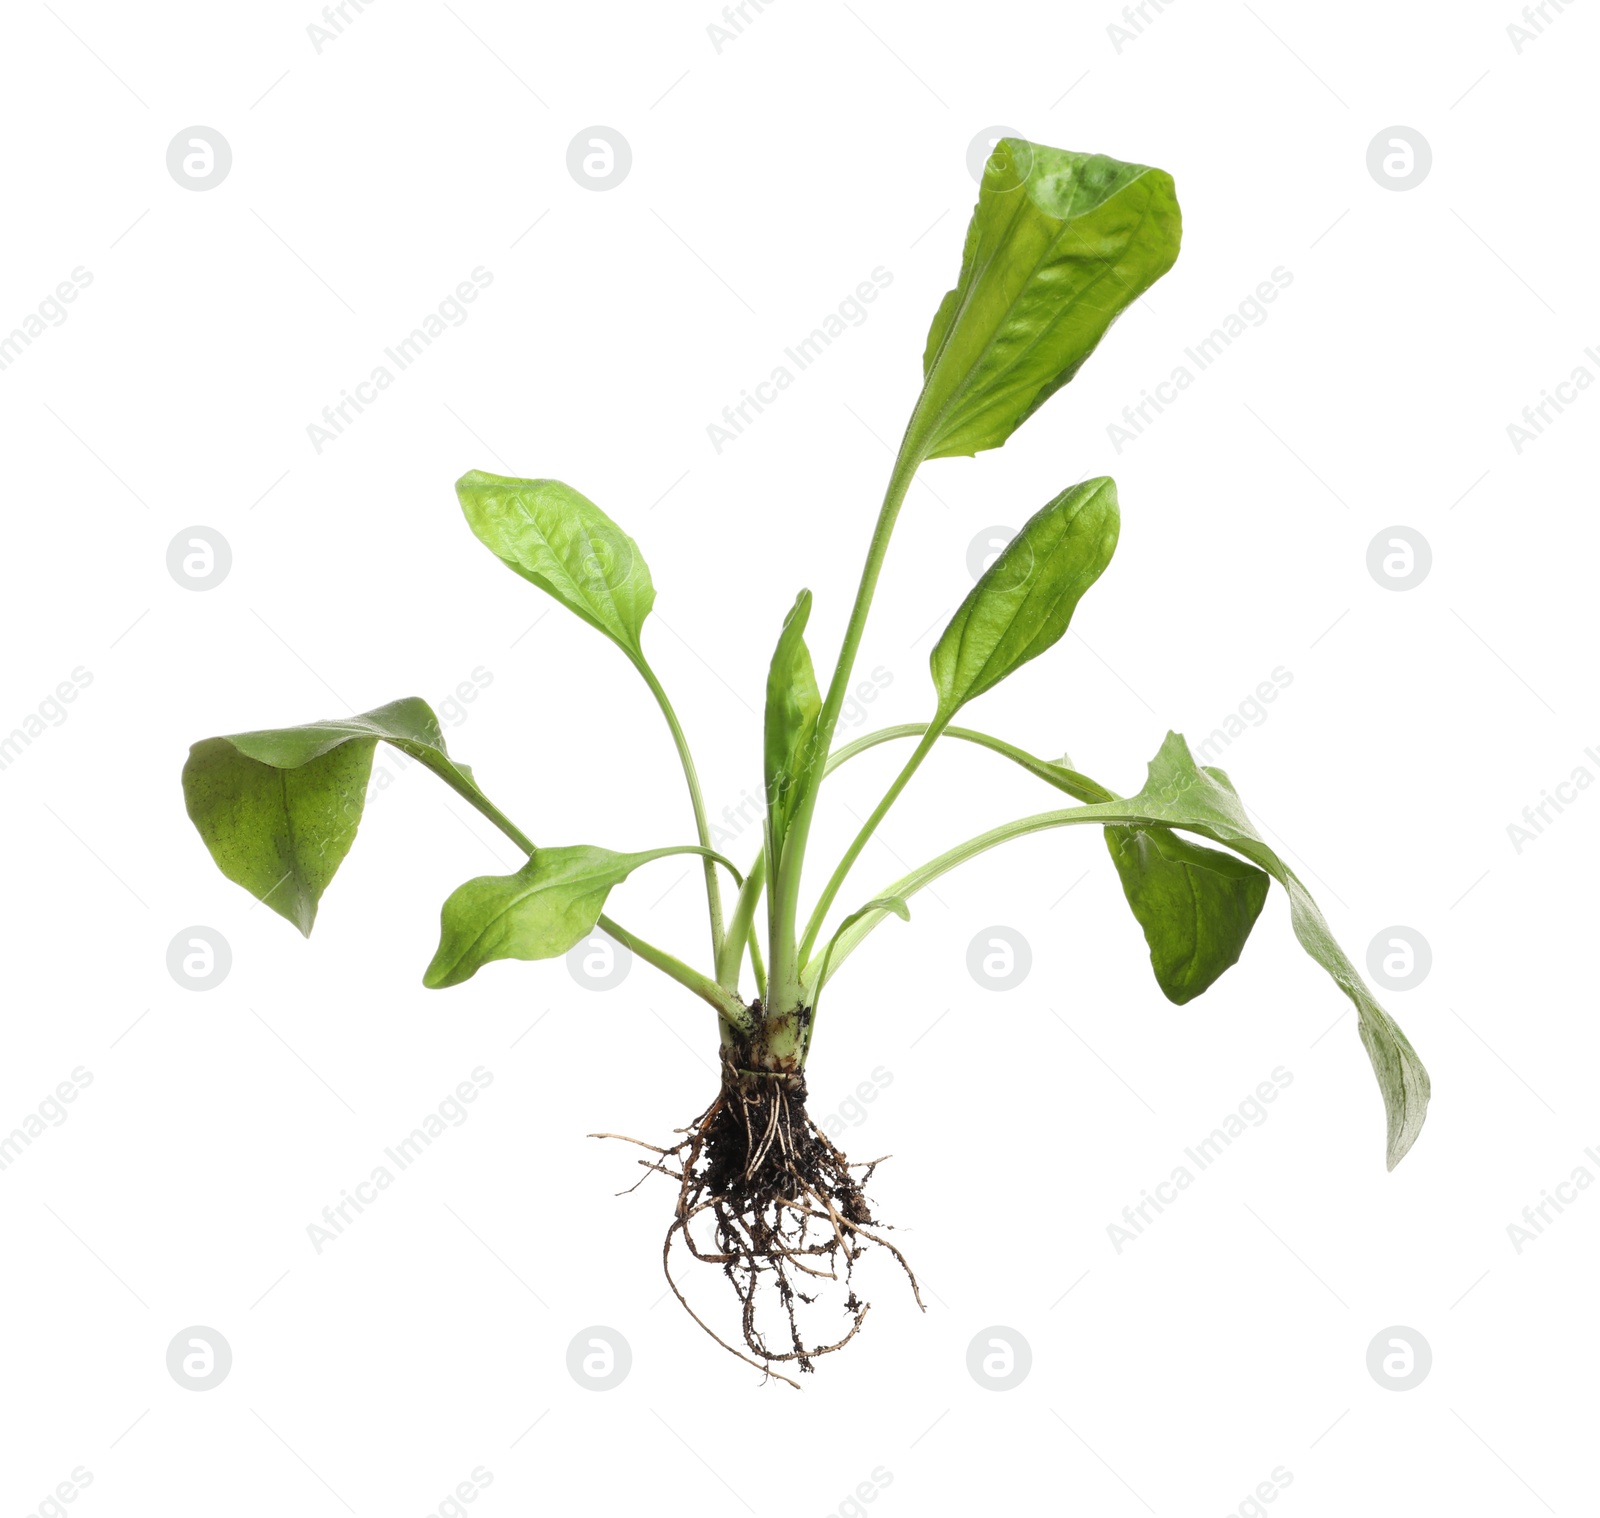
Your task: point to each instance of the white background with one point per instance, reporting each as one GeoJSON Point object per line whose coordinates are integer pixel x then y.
{"type": "Point", "coordinates": [768, 179]}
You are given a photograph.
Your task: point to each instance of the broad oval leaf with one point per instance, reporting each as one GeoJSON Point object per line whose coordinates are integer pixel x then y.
{"type": "Point", "coordinates": [1026, 598]}
{"type": "Point", "coordinates": [549, 905]}
{"type": "Point", "coordinates": [1059, 245]}
{"type": "Point", "coordinates": [279, 808]}
{"type": "Point", "coordinates": [1195, 905]}
{"type": "Point", "coordinates": [567, 546]}
{"type": "Point", "coordinates": [790, 724]}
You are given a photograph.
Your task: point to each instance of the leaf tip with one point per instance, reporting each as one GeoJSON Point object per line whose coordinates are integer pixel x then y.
{"type": "Point", "coordinates": [1404, 1134]}
{"type": "Point", "coordinates": [444, 970]}
{"type": "Point", "coordinates": [440, 977]}
{"type": "Point", "coordinates": [474, 479]}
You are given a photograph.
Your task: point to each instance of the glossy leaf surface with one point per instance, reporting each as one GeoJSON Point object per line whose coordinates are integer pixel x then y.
{"type": "Point", "coordinates": [1025, 599]}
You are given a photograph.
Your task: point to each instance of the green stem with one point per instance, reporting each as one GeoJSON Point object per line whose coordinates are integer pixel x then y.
{"type": "Point", "coordinates": [713, 890]}
{"type": "Point", "coordinates": [758, 969]}
{"type": "Point", "coordinates": [786, 885]}
{"type": "Point", "coordinates": [908, 885]}
{"type": "Point", "coordinates": [868, 828]}
{"type": "Point", "coordinates": [1081, 787]}
{"type": "Point", "coordinates": [739, 925]}
{"type": "Point", "coordinates": [1077, 785]}
{"type": "Point", "coordinates": [1059, 775]}
{"type": "Point", "coordinates": [504, 823]}
{"type": "Point", "coordinates": [704, 853]}
{"type": "Point", "coordinates": [730, 1008]}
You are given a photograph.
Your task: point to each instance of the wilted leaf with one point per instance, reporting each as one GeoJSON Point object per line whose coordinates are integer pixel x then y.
{"type": "Point", "coordinates": [1181, 793]}
{"type": "Point", "coordinates": [1196, 905]}
{"type": "Point", "coordinates": [279, 808]}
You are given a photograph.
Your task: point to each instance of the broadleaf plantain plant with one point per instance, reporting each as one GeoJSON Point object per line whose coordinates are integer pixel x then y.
{"type": "Point", "coordinates": [1059, 245]}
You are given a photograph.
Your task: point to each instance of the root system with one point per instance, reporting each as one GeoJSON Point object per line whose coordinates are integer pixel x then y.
{"type": "Point", "coordinates": [764, 1195]}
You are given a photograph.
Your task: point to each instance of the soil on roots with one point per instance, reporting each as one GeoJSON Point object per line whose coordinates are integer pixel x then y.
{"type": "Point", "coordinates": [764, 1195]}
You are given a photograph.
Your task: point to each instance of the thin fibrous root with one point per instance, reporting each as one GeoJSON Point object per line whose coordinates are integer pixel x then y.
{"type": "Point", "coordinates": [783, 1207]}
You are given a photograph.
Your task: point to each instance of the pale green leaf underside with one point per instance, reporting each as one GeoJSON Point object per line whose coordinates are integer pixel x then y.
{"type": "Point", "coordinates": [278, 808]}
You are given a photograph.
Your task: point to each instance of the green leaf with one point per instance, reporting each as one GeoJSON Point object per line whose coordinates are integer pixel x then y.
{"type": "Point", "coordinates": [1181, 793]}
{"type": "Point", "coordinates": [1059, 245]}
{"type": "Point", "coordinates": [549, 905]}
{"type": "Point", "coordinates": [1026, 598]}
{"type": "Point", "coordinates": [279, 808]}
{"type": "Point", "coordinates": [1178, 793]}
{"type": "Point", "coordinates": [567, 546]}
{"type": "Point", "coordinates": [1196, 905]}
{"type": "Point", "coordinates": [793, 705]}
